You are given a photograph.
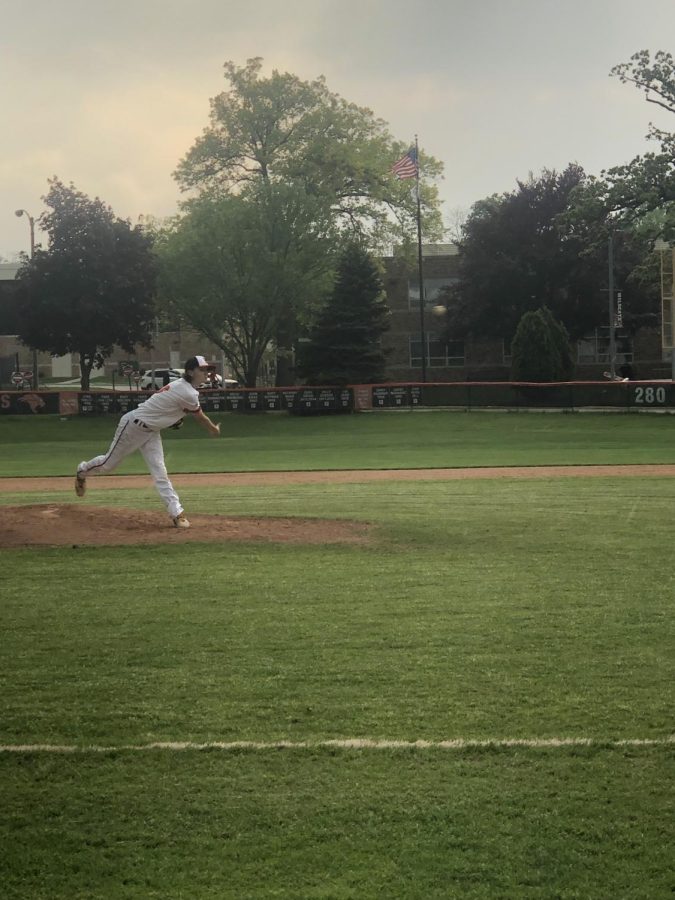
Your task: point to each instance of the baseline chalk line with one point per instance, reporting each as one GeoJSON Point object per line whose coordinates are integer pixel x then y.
{"type": "Point", "coordinates": [344, 744]}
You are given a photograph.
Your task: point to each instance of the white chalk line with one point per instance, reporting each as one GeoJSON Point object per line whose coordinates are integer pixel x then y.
{"type": "Point", "coordinates": [343, 744]}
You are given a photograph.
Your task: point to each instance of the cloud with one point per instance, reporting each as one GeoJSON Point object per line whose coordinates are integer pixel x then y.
{"type": "Point", "coordinates": [111, 96]}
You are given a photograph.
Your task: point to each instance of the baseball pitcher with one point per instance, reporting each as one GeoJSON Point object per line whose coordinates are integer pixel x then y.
{"type": "Point", "coordinates": [140, 430]}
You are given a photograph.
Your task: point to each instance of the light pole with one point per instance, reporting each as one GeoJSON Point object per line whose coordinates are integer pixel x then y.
{"type": "Point", "coordinates": [31, 222]}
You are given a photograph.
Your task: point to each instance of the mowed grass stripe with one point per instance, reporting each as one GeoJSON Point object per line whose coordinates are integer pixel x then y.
{"type": "Point", "coordinates": [525, 824]}
{"type": "Point", "coordinates": [48, 445]}
{"type": "Point", "coordinates": [485, 609]}
{"type": "Point", "coordinates": [347, 744]}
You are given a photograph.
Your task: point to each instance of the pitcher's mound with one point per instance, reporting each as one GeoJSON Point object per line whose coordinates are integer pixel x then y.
{"type": "Point", "coordinates": [77, 525]}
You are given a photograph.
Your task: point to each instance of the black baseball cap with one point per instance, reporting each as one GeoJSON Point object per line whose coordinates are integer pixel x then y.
{"type": "Point", "coordinates": [196, 362]}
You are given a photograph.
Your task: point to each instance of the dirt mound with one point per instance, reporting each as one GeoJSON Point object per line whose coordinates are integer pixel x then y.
{"type": "Point", "coordinates": [52, 524]}
{"type": "Point", "coordinates": [79, 524]}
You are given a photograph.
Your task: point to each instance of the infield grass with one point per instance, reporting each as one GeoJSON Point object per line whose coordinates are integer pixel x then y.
{"type": "Point", "coordinates": [486, 609]}
{"type": "Point", "coordinates": [482, 609]}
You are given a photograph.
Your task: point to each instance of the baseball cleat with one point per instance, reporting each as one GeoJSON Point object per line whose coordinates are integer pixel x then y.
{"type": "Point", "coordinates": [80, 484]}
{"type": "Point", "coordinates": [181, 522]}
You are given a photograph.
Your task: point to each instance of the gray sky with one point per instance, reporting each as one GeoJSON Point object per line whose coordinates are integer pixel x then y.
{"type": "Point", "coordinates": [110, 94]}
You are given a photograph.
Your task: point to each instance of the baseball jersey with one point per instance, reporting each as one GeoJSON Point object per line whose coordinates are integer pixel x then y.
{"type": "Point", "coordinates": [168, 405]}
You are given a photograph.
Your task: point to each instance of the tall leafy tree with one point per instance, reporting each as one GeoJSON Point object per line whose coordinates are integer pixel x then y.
{"type": "Point", "coordinates": [634, 203]}
{"type": "Point", "coordinates": [280, 131]}
{"type": "Point", "coordinates": [656, 79]}
{"type": "Point", "coordinates": [93, 288]}
{"type": "Point", "coordinates": [515, 257]}
{"type": "Point", "coordinates": [237, 268]}
{"type": "Point", "coordinates": [345, 343]}
{"type": "Point", "coordinates": [640, 195]}
{"type": "Point", "coordinates": [616, 208]}
{"type": "Point", "coordinates": [283, 129]}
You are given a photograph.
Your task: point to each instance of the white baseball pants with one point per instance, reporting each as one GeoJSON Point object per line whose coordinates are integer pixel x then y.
{"type": "Point", "coordinates": [133, 435]}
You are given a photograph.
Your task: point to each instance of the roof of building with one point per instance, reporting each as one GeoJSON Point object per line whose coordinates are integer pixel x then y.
{"type": "Point", "coordinates": [8, 271]}
{"type": "Point", "coordinates": [433, 250]}
{"type": "Point", "coordinates": [440, 250]}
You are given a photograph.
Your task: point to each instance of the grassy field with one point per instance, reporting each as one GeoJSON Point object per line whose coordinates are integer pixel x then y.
{"type": "Point", "coordinates": [49, 445]}
{"type": "Point", "coordinates": [483, 610]}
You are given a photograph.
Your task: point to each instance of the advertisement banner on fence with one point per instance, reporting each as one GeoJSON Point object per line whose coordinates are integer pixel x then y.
{"type": "Point", "coordinates": [28, 403]}
{"type": "Point", "coordinates": [69, 403]}
{"type": "Point", "coordinates": [118, 402]}
{"type": "Point", "coordinates": [391, 396]}
{"type": "Point", "coordinates": [617, 395]}
{"type": "Point", "coordinates": [298, 400]}
{"type": "Point", "coordinates": [363, 396]}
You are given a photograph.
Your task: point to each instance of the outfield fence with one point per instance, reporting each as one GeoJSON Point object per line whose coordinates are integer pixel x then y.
{"type": "Point", "coordinates": [628, 396]}
{"type": "Point", "coordinates": [572, 395]}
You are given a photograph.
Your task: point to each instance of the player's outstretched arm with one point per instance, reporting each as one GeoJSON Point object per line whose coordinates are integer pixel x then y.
{"type": "Point", "coordinates": [205, 422]}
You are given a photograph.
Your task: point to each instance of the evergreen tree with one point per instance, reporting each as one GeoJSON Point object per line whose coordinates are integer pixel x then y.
{"type": "Point", "coordinates": [561, 341]}
{"type": "Point", "coordinates": [344, 344]}
{"type": "Point", "coordinates": [540, 350]}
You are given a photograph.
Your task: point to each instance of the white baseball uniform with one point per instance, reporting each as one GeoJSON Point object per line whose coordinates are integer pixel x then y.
{"type": "Point", "coordinates": [140, 430]}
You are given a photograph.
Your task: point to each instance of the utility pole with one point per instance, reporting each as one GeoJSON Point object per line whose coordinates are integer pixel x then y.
{"type": "Point", "coordinates": [667, 254]}
{"type": "Point", "coordinates": [31, 222]}
{"type": "Point", "coordinates": [420, 264]}
{"type": "Point", "coordinates": [612, 322]}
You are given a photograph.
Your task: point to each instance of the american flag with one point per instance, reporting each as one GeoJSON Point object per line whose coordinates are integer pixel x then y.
{"type": "Point", "coordinates": [406, 167]}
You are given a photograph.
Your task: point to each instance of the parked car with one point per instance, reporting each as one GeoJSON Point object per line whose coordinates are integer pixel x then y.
{"type": "Point", "coordinates": [217, 381]}
{"type": "Point", "coordinates": [163, 376]}
{"type": "Point", "coordinates": [157, 378]}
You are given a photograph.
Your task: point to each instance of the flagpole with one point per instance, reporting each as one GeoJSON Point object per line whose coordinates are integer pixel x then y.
{"type": "Point", "coordinates": [419, 263]}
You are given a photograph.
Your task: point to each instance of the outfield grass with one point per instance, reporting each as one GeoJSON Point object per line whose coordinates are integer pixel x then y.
{"type": "Point", "coordinates": [49, 445]}
{"type": "Point", "coordinates": [482, 610]}
{"type": "Point", "coordinates": [335, 824]}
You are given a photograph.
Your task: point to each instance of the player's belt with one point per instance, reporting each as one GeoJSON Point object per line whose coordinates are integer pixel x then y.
{"type": "Point", "coordinates": [142, 424]}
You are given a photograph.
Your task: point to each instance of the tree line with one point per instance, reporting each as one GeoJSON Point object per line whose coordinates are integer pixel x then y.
{"type": "Point", "coordinates": [288, 201]}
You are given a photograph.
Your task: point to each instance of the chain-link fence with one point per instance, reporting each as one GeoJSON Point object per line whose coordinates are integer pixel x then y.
{"type": "Point", "coordinates": [8, 365]}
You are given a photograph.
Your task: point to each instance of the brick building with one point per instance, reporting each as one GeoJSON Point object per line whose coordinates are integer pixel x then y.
{"type": "Point", "coordinates": [484, 359]}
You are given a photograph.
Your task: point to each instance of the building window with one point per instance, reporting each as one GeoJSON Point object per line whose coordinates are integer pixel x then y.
{"type": "Point", "coordinates": [433, 287]}
{"type": "Point", "coordinates": [594, 348]}
{"type": "Point", "coordinates": [439, 353]}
